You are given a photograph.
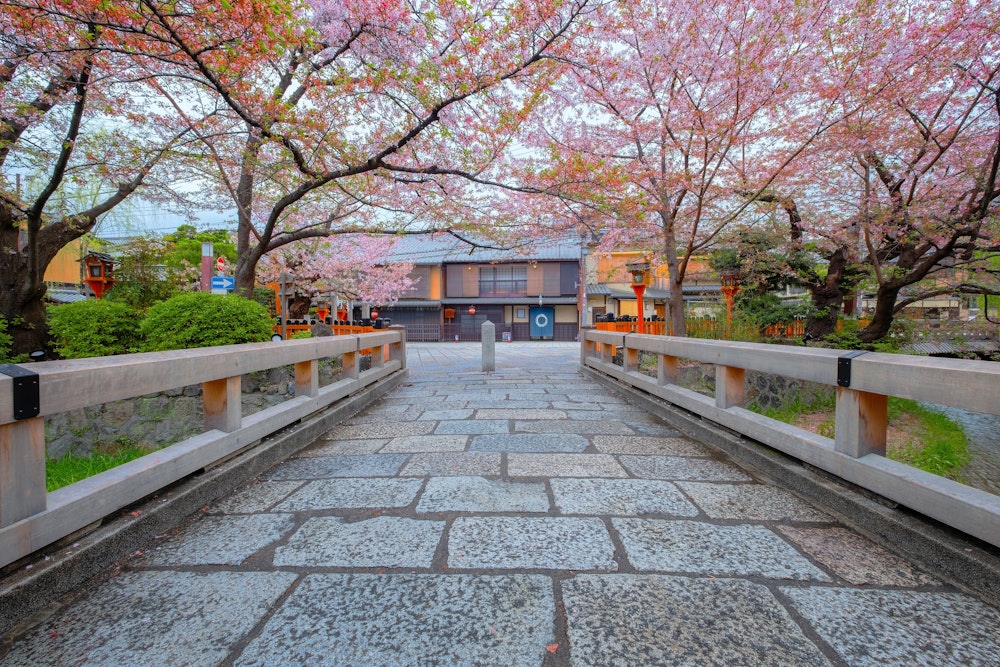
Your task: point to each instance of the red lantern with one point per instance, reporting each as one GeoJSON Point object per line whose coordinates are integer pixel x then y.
{"type": "Point", "coordinates": [374, 312]}
{"type": "Point", "coordinates": [472, 310]}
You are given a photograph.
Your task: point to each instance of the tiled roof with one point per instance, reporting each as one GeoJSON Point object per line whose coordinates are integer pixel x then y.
{"type": "Point", "coordinates": [446, 249]}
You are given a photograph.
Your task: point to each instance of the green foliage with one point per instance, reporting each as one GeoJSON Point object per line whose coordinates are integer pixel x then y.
{"type": "Point", "coordinates": [937, 444]}
{"type": "Point", "coordinates": [200, 319]}
{"type": "Point", "coordinates": [185, 246]}
{"type": "Point", "coordinates": [93, 328]}
{"type": "Point", "coordinates": [944, 449]}
{"type": "Point", "coordinates": [763, 309]}
{"type": "Point", "coordinates": [265, 296]}
{"type": "Point", "coordinates": [72, 467]}
{"type": "Point", "coordinates": [5, 342]}
{"type": "Point", "coordinates": [300, 334]}
{"type": "Point", "coordinates": [141, 276]}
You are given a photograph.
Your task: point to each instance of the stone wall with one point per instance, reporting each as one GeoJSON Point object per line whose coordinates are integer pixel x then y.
{"type": "Point", "coordinates": [161, 419]}
{"type": "Point", "coordinates": [763, 389]}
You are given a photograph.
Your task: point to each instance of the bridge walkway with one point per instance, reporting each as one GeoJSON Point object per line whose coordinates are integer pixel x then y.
{"type": "Point", "coordinates": [528, 516]}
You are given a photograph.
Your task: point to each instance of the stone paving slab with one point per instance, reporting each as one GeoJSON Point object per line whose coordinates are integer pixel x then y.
{"type": "Point", "coordinates": [581, 427]}
{"type": "Point", "coordinates": [626, 620]}
{"type": "Point", "coordinates": [352, 493]}
{"type": "Point", "coordinates": [564, 465]}
{"type": "Point", "coordinates": [530, 442]}
{"type": "Point", "coordinates": [752, 502]}
{"type": "Point", "coordinates": [374, 465]}
{"type": "Point", "coordinates": [426, 443]}
{"type": "Point", "coordinates": [681, 468]}
{"type": "Point", "coordinates": [519, 413]}
{"type": "Point", "coordinates": [409, 620]}
{"type": "Point", "coordinates": [343, 448]}
{"type": "Point", "coordinates": [635, 444]}
{"type": "Point", "coordinates": [879, 628]}
{"type": "Point", "coordinates": [154, 618]}
{"type": "Point", "coordinates": [453, 464]}
{"type": "Point", "coordinates": [620, 497]}
{"type": "Point", "coordinates": [222, 540]}
{"type": "Point", "coordinates": [478, 427]}
{"type": "Point", "coordinates": [476, 494]}
{"type": "Point", "coordinates": [856, 559]}
{"type": "Point", "coordinates": [381, 429]}
{"type": "Point", "coordinates": [258, 497]}
{"type": "Point", "coordinates": [385, 541]}
{"type": "Point", "coordinates": [693, 546]}
{"type": "Point", "coordinates": [436, 415]}
{"type": "Point", "coordinates": [550, 543]}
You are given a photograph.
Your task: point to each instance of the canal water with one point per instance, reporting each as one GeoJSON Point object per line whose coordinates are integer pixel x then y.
{"type": "Point", "coordinates": [983, 433]}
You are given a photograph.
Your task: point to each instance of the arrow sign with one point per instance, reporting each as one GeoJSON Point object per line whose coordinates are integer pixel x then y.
{"type": "Point", "coordinates": [223, 282]}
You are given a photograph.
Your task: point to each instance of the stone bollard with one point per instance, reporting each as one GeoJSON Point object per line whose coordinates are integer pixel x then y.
{"type": "Point", "coordinates": [489, 347]}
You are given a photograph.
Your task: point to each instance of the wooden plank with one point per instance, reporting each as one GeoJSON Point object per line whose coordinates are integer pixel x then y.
{"type": "Point", "coordinates": [221, 399]}
{"type": "Point", "coordinates": [22, 470]}
{"type": "Point", "coordinates": [862, 422]}
{"type": "Point", "coordinates": [77, 383]}
{"type": "Point", "coordinates": [307, 378]}
{"type": "Point", "coordinates": [730, 387]}
{"type": "Point", "coordinates": [667, 370]}
{"type": "Point", "coordinates": [961, 383]}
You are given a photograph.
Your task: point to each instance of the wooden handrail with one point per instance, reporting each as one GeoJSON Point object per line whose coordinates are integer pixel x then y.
{"type": "Point", "coordinates": [31, 519]}
{"type": "Point", "coordinates": [863, 383]}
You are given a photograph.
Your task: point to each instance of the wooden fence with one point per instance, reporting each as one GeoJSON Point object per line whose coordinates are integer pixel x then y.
{"type": "Point", "coordinates": [31, 519]}
{"type": "Point", "coordinates": [863, 382]}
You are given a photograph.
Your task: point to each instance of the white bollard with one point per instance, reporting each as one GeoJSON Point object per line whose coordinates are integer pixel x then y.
{"type": "Point", "coordinates": [489, 347]}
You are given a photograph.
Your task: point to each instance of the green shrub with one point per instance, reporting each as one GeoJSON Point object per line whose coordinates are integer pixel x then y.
{"type": "Point", "coordinates": [201, 319]}
{"type": "Point", "coordinates": [93, 328]}
{"type": "Point", "coordinates": [301, 334]}
{"type": "Point", "coordinates": [5, 342]}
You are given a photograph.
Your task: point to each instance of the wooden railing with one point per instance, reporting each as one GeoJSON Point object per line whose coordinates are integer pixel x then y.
{"type": "Point", "coordinates": [863, 382]}
{"type": "Point", "coordinates": [31, 519]}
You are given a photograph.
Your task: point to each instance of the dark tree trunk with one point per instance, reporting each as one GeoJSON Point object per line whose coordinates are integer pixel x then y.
{"type": "Point", "coordinates": [828, 297]}
{"type": "Point", "coordinates": [885, 307]}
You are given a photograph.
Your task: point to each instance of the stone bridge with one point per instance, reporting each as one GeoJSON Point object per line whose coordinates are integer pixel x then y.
{"type": "Point", "coordinates": [540, 514]}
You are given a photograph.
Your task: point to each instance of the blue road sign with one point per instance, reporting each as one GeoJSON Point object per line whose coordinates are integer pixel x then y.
{"type": "Point", "coordinates": [223, 282]}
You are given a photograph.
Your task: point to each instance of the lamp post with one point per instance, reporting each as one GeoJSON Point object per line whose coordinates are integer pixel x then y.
{"type": "Point", "coordinates": [730, 286]}
{"type": "Point", "coordinates": [640, 278]}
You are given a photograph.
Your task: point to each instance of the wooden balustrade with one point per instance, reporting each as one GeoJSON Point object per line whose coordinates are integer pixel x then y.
{"type": "Point", "coordinates": [31, 519]}
{"type": "Point", "coordinates": [864, 381]}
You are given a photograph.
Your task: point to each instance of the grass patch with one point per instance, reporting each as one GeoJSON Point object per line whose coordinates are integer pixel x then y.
{"type": "Point", "coordinates": [940, 445]}
{"type": "Point", "coordinates": [918, 436]}
{"type": "Point", "coordinates": [72, 467]}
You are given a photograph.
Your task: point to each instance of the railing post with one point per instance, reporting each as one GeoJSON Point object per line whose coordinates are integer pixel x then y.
{"type": "Point", "coordinates": [587, 347]}
{"type": "Point", "coordinates": [730, 386]}
{"type": "Point", "coordinates": [397, 351]}
{"type": "Point", "coordinates": [630, 357]}
{"type": "Point", "coordinates": [862, 422]}
{"type": "Point", "coordinates": [22, 470]}
{"type": "Point", "coordinates": [223, 408]}
{"type": "Point", "coordinates": [351, 361]}
{"type": "Point", "coordinates": [307, 378]}
{"type": "Point", "coordinates": [666, 370]}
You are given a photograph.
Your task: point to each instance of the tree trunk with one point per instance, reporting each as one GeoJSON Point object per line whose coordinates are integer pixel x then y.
{"type": "Point", "coordinates": [885, 305]}
{"type": "Point", "coordinates": [828, 297]}
{"type": "Point", "coordinates": [22, 305]}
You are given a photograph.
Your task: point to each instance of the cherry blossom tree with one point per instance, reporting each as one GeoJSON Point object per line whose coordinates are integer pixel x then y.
{"type": "Point", "coordinates": [79, 104]}
{"type": "Point", "coordinates": [690, 106]}
{"type": "Point", "coordinates": [353, 267]}
{"type": "Point", "coordinates": [379, 116]}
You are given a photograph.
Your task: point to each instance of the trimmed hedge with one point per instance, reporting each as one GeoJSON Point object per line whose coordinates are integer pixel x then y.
{"type": "Point", "coordinates": [93, 328]}
{"type": "Point", "coordinates": [201, 319]}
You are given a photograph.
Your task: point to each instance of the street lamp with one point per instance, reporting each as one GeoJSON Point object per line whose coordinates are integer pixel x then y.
{"type": "Point", "coordinates": [639, 279]}
{"type": "Point", "coordinates": [730, 286]}
{"type": "Point", "coordinates": [472, 310]}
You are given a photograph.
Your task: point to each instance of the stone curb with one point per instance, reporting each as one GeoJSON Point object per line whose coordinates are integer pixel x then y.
{"type": "Point", "coordinates": [968, 563]}
{"type": "Point", "coordinates": [25, 593]}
